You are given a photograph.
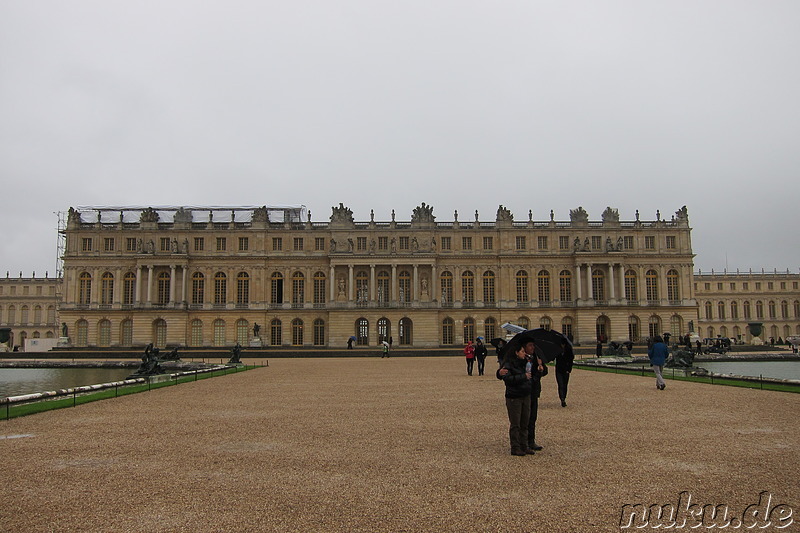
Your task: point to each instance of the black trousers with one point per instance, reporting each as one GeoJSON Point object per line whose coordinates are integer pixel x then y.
{"type": "Point", "coordinates": [470, 364]}
{"type": "Point", "coordinates": [562, 378]}
{"type": "Point", "coordinates": [481, 365]}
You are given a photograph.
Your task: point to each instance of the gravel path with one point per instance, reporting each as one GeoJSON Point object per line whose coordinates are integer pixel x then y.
{"type": "Point", "coordinates": [401, 444]}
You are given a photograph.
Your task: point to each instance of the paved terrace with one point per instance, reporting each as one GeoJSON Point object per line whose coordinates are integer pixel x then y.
{"type": "Point", "coordinates": [401, 444]}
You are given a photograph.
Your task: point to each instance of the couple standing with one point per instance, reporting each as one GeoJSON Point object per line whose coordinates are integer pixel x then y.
{"type": "Point", "coordinates": [522, 371]}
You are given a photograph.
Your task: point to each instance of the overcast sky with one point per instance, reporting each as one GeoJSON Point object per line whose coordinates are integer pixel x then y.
{"type": "Point", "coordinates": [461, 104]}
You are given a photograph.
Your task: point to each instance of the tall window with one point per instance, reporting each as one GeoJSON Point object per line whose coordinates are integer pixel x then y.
{"type": "Point", "coordinates": [24, 313]}
{"type": "Point", "coordinates": [771, 307]}
{"type": "Point", "coordinates": [543, 279]}
{"type": "Point", "coordinates": [446, 282]}
{"type": "Point", "coordinates": [673, 285]}
{"type": "Point", "coordinates": [276, 332]}
{"type": "Point", "coordinates": [220, 288]}
{"type": "Point", "coordinates": [565, 285]}
{"type": "Point", "coordinates": [488, 287]}
{"type": "Point", "coordinates": [545, 322]}
{"type": "Point", "coordinates": [362, 289]}
{"type": "Point", "coordinates": [541, 242]}
{"type": "Point", "coordinates": [721, 310]}
{"type": "Point", "coordinates": [160, 333]}
{"type": "Point", "coordinates": [566, 327]}
{"type": "Point", "coordinates": [759, 309]}
{"type": "Point", "coordinates": [522, 286]}
{"type": "Point", "coordinates": [198, 289]}
{"type": "Point", "coordinates": [362, 332]}
{"type": "Point", "coordinates": [746, 308]}
{"type": "Point", "coordinates": [319, 289]}
{"type": "Point", "coordinates": [404, 279]}
{"type": "Point", "coordinates": [107, 292]}
{"type": "Point", "coordinates": [676, 325]}
{"type": "Point", "coordinates": [85, 288]}
{"type": "Point", "coordinates": [276, 288]}
{"type": "Point", "coordinates": [242, 331]}
{"type": "Point", "coordinates": [651, 284]}
{"type": "Point", "coordinates": [37, 315]}
{"type": "Point", "coordinates": [319, 332]}
{"type": "Point", "coordinates": [520, 242]}
{"type": "Point", "coordinates": [709, 310]}
{"type": "Point", "coordinates": [599, 285]}
{"type": "Point", "coordinates": [654, 326]}
{"type": "Point", "coordinates": [242, 289]}
{"type": "Point", "coordinates": [784, 309]}
{"type": "Point", "coordinates": [129, 288]}
{"type": "Point", "coordinates": [298, 289]}
{"type": "Point", "coordinates": [12, 314]}
{"type": "Point", "coordinates": [630, 286]}
{"type": "Point", "coordinates": [126, 332]}
{"type": "Point", "coordinates": [383, 287]}
{"type": "Point", "coordinates": [51, 314]}
{"type": "Point", "coordinates": [468, 287]}
{"type": "Point", "coordinates": [82, 335]}
{"type": "Point", "coordinates": [219, 332]}
{"type": "Point", "coordinates": [104, 333]}
{"type": "Point", "coordinates": [384, 329]}
{"type": "Point", "coordinates": [489, 328]}
{"type": "Point", "coordinates": [163, 288]}
{"type": "Point", "coordinates": [488, 243]}
{"type": "Point", "coordinates": [404, 330]}
{"type": "Point", "coordinates": [633, 328]}
{"type": "Point", "coordinates": [197, 332]}
{"type": "Point", "coordinates": [734, 310]}
{"type": "Point", "coordinates": [448, 331]}
{"type": "Point", "coordinates": [469, 329]}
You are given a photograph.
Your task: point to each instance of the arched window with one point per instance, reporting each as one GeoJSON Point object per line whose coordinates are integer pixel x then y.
{"type": "Point", "coordinates": [723, 331]}
{"type": "Point", "coordinates": [219, 332]}
{"type": "Point", "coordinates": [51, 314]}
{"type": "Point", "coordinates": [631, 294]}
{"type": "Point", "coordinates": [129, 288]}
{"type": "Point", "coordinates": [676, 325]}
{"type": "Point", "coordinates": [276, 332]}
{"type": "Point", "coordinates": [383, 287]}
{"type": "Point", "coordinates": [107, 289]}
{"type": "Point", "coordinates": [746, 310]}
{"type": "Point", "coordinates": [446, 282]}
{"type": "Point", "coordinates": [319, 332]}
{"type": "Point", "coordinates": [163, 288]}
{"type": "Point", "coordinates": [384, 330]}
{"type": "Point", "coordinates": [488, 287]}
{"type": "Point", "coordinates": [654, 326]}
{"type": "Point", "coordinates": [524, 322]}
{"type": "Point", "coordinates": [197, 332]}
{"type": "Point", "coordinates": [448, 333]}
{"type": "Point", "coordinates": [469, 329]}
{"type": "Point", "coordinates": [721, 310]}
{"type": "Point", "coordinates": [104, 333]}
{"type": "Point", "coordinates": [362, 289]}
{"type": "Point", "coordinates": [84, 288]}
{"type": "Point", "coordinates": [709, 311]}
{"type": "Point", "coordinates": [598, 284]}
{"type": "Point", "coordinates": [36, 335]}
{"type": "Point", "coordinates": [242, 289]}
{"type": "Point", "coordinates": [737, 332]}
{"type": "Point", "coordinates": [82, 333]}
{"type": "Point", "coordinates": [319, 289]}
{"type": "Point", "coordinates": [489, 328]}
{"type": "Point", "coordinates": [735, 310]}
{"type": "Point", "coordinates": [297, 332]}
{"type": "Point", "coordinates": [220, 289]}
{"type": "Point", "coordinates": [468, 287]}
{"type": "Point", "coordinates": [784, 309]}
{"type": "Point", "coordinates": [522, 286]}
{"type": "Point", "coordinates": [362, 332]}
{"type": "Point", "coordinates": [651, 284]}
{"type": "Point", "coordinates": [126, 332]}
{"type": "Point", "coordinates": [565, 285]}
{"type": "Point", "coordinates": [673, 285]}
{"type": "Point", "coordinates": [545, 322]}
{"type": "Point", "coordinates": [242, 331]}
{"type": "Point", "coordinates": [298, 290]}
{"type": "Point", "coordinates": [759, 309]}
{"type": "Point", "coordinates": [602, 327]}
{"type": "Point", "coordinates": [12, 315]}
{"type": "Point", "coordinates": [566, 327]}
{"type": "Point", "coordinates": [276, 289]}
{"type": "Point", "coordinates": [37, 315]}
{"type": "Point", "coordinates": [198, 289]}
{"type": "Point", "coordinates": [405, 287]}
{"type": "Point", "coordinates": [405, 329]}
{"type": "Point", "coordinates": [771, 308]}
{"type": "Point", "coordinates": [796, 306]}
{"type": "Point", "coordinates": [634, 330]}
{"type": "Point", "coordinates": [160, 333]}
{"type": "Point", "coordinates": [24, 312]}
{"type": "Point", "coordinates": [711, 331]}
{"type": "Point", "coordinates": [543, 279]}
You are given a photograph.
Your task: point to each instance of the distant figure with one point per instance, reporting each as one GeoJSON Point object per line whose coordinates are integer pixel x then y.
{"type": "Point", "coordinates": [480, 355]}
{"type": "Point", "coordinates": [657, 353]}
{"type": "Point", "coordinates": [699, 346]}
{"type": "Point", "coordinates": [385, 349]}
{"type": "Point", "coordinates": [469, 353]}
{"type": "Point", "coordinates": [350, 343]}
{"type": "Point", "coordinates": [599, 351]}
{"type": "Point", "coordinates": [563, 369]}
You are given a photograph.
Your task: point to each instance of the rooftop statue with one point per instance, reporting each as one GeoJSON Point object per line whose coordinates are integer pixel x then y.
{"type": "Point", "coordinates": [341, 214]}
{"type": "Point", "coordinates": [260, 214]}
{"type": "Point", "coordinates": [579, 215]}
{"type": "Point", "coordinates": [149, 215]}
{"type": "Point", "coordinates": [73, 216]}
{"type": "Point", "coordinates": [610, 215]}
{"type": "Point", "coordinates": [682, 214]}
{"type": "Point", "coordinates": [504, 215]}
{"type": "Point", "coordinates": [182, 215]}
{"type": "Point", "coordinates": [423, 213]}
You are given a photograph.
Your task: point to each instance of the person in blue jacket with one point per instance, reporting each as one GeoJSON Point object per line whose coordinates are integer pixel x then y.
{"type": "Point", "coordinates": [657, 352]}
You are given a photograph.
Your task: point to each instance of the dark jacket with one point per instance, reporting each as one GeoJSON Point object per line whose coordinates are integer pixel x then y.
{"type": "Point", "coordinates": [658, 354]}
{"type": "Point", "coordinates": [517, 383]}
{"type": "Point", "coordinates": [565, 359]}
{"type": "Point", "coordinates": [480, 351]}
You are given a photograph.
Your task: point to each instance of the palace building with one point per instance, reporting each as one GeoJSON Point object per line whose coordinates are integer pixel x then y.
{"type": "Point", "coordinates": [728, 302]}
{"type": "Point", "coordinates": [28, 310]}
{"type": "Point", "coordinates": [206, 276]}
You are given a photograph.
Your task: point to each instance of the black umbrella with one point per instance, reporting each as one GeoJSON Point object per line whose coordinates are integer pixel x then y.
{"type": "Point", "coordinates": [549, 342]}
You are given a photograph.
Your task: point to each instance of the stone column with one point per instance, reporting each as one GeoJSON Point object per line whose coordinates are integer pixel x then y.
{"type": "Point", "coordinates": [611, 292]}
{"type": "Point", "coordinates": [172, 284]}
{"type": "Point", "coordinates": [372, 283]}
{"type": "Point", "coordinates": [434, 285]}
{"type": "Point", "coordinates": [578, 281]}
{"type": "Point", "coordinates": [395, 296]}
{"type": "Point", "coordinates": [118, 281]}
{"type": "Point", "coordinates": [138, 285]}
{"type": "Point", "coordinates": [622, 294]}
{"type": "Point", "coordinates": [589, 289]}
{"type": "Point", "coordinates": [149, 284]}
{"type": "Point", "coordinates": [332, 282]}
{"type": "Point", "coordinates": [415, 287]}
{"type": "Point", "coordinates": [350, 289]}
{"type": "Point", "coordinates": [183, 284]}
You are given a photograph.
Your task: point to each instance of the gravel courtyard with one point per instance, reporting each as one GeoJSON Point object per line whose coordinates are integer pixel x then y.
{"type": "Point", "coordinates": [400, 444]}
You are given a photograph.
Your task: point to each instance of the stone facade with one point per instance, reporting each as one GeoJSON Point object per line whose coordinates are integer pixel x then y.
{"type": "Point", "coordinates": [728, 301]}
{"type": "Point", "coordinates": [29, 308]}
{"type": "Point", "coordinates": [205, 276]}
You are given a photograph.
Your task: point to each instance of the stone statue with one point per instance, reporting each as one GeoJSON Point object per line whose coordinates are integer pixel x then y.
{"type": "Point", "coordinates": [149, 215]}
{"type": "Point", "coordinates": [73, 216]}
{"type": "Point", "coordinates": [579, 215]}
{"type": "Point", "coordinates": [394, 245]}
{"type": "Point", "coordinates": [174, 246]}
{"type": "Point", "coordinates": [182, 216]}
{"type": "Point", "coordinates": [350, 245]}
{"type": "Point", "coordinates": [333, 245]}
{"type": "Point", "coordinates": [64, 329]}
{"type": "Point", "coordinates": [341, 214]}
{"type": "Point", "coordinates": [424, 284]}
{"type": "Point", "coordinates": [260, 214]}
{"type": "Point", "coordinates": [422, 213]}
{"type": "Point", "coordinates": [609, 245]}
{"type": "Point", "coordinates": [151, 247]}
{"type": "Point", "coordinates": [682, 214]}
{"type": "Point", "coordinates": [504, 215]}
{"type": "Point", "coordinates": [619, 244]}
{"type": "Point", "coordinates": [150, 362]}
{"type": "Point", "coordinates": [341, 286]}
{"type": "Point", "coordinates": [236, 354]}
{"type": "Point", "coordinates": [610, 215]}
{"type": "Point", "coordinates": [185, 246]}
{"type": "Point", "coordinates": [586, 244]}
{"type": "Point", "coordinates": [256, 329]}
{"type": "Point", "coordinates": [414, 244]}
{"type": "Point", "coordinates": [372, 246]}
{"type": "Point", "coordinates": [576, 245]}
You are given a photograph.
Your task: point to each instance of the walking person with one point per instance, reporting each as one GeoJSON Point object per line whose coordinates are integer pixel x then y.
{"type": "Point", "coordinates": [563, 369]}
{"type": "Point", "coordinates": [469, 353]}
{"type": "Point", "coordinates": [480, 355]}
{"type": "Point", "coordinates": [538, 371]}
{"type": "Point", "coordinates": [516, 374]}
{"type": "Point", "coordinates": [657, 352]}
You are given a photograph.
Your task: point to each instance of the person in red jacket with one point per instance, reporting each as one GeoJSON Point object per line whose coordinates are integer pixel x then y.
{"type": "Point", "coordinates": [469, 353]}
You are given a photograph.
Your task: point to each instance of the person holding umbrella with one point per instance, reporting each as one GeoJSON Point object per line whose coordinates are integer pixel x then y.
{"type": "Point", "coordinates": [563, 370]}
{"type": "Point", "coordinates": [516, 374]}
